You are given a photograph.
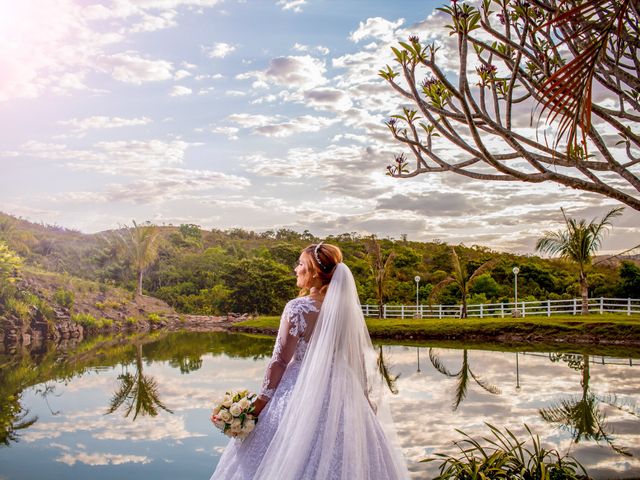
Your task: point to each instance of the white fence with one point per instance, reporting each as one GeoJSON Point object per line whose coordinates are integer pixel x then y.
{"type": "Point", "coordinates": [502, 310]}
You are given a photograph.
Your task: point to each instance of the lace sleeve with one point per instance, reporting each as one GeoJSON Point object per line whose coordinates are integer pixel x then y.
{"type": "Point", "coordinates": [292, 326]}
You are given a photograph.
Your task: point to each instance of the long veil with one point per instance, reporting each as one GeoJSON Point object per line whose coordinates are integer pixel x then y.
{"type": "Point", "coordinates": [331, 426]}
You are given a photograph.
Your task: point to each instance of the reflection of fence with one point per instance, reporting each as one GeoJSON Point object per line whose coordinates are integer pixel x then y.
{"type": "Point", "coordinates": [593, 359]}
{"type": "Point", "coordinates": [540, 307]}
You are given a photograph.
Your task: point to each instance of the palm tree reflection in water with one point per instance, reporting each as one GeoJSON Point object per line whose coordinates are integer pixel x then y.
{"type": "Point", "coordinates": [139, 393]}
{"type": "Point", "coordinates": [581, 416]}
{"type": "Point", "coordinates": [464, 375]}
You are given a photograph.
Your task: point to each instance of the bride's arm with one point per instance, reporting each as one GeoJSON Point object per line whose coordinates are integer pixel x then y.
{"type": "Point", "coordinates": [285, 347]}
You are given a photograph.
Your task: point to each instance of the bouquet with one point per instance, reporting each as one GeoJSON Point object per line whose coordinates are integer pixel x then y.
{"type": "Point", "coordinates": [233, 414]}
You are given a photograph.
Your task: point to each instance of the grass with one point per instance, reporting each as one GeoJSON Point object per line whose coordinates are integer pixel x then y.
{"type": "Point", "coordinates": [559, 329]}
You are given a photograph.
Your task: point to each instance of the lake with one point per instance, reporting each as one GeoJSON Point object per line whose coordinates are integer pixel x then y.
{"type": "Point", "coordinates": [138, 407]}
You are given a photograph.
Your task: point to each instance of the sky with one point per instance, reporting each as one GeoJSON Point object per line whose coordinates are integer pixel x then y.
{"type": "Point", "coordinates": [258, 114]}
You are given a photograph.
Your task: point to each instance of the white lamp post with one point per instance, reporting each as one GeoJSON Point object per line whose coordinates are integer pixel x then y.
{"type": "Point", "coordinates": [515, 271]}
{"type": "Point", "coordinates": [417, 279]}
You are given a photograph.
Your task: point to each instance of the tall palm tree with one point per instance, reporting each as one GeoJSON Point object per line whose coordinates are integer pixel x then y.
{"type": "Point", "coordinates": [464, 375]}
{"type": "Point", "coordinates": [138, 392]}
{"type": "Point", "coordinates": [581, 416]}
{"type": "Point", "coordinates": [380, 267]}
{"type": "Point", "coordinates": [461, 278]}
{"type": "Point", "coordinates": [141, 244]}
{"type": "Point", "coordinates": [578, 242]}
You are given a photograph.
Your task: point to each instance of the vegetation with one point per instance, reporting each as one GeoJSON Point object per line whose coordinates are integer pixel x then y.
{"type": "Point", "coordinates": [380, 266]}
{"type": "Point", "coordinates": [542, 53]}
{"type": "Point", "coordinates": [214, 272]}
{"type": "Point", "coordinates": [578, 243]}
{"type": "Point", "coordinates": [461, 279]}
{"type": "Point", "coordinates": [141, 245]}
{"type": "Point", "coordinates": [505, 457]}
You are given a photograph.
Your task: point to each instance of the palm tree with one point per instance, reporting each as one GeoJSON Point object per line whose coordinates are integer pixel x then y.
{"type": "Point", "coordinates": [463, 375]}
{"type": "Point", "coordinates": [578, 242]}
{"type": "Point", "coordinates": [141, 244]}
{"type": "Point", "coordinates": [139, 392]}
{"type": "Point", "coordinates": [581, 417]}
{"type": "Point", "coordinates": [389, 379]}
{"type": "Point", "coordinates": [461, 279]}
{"type": "Point", "coordinates": [380, 267]}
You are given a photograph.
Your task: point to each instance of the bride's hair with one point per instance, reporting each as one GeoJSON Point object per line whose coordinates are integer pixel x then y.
{"type": "Point", "coordinates": [321, 260]}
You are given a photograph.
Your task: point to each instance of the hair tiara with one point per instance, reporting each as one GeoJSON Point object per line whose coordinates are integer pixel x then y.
{"type": "Point", "coordinates": [317, 257]}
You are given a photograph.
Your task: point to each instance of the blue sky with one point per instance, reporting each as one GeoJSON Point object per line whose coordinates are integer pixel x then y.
{"type": "Point", "coordinates": [254, 114]}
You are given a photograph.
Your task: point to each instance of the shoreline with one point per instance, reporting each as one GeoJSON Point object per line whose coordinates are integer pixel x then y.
{"type": "Point", "coordinates": [565, 331]}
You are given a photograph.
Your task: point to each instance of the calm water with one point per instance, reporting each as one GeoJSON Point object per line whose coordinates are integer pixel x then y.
{"type": "Point", "coordinates": [54, 406]}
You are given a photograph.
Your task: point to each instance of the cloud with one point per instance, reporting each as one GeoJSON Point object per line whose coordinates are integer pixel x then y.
{"type": "Point", "coordinates": [377, 28]}
{"type": "Point", "coordinates": [180, 91]}
{"type": "Point", "coordinates": [128, 67]}
{"type": "Point", "coordinates": [328, 99]}
{"type": "Point", "coordinates": [94, 459]}
{"type": "Point", "coordinates": [294, 5]}
{"type": "Point", "coordinates": [435, 204]}
{"type": "Point", "coordinates": [103, 122]}
{"type": "Point", "coordinates": [219, 50]}
{"type": "Point", "coordinates": [230, 132]}
{"type": "Point", "coordinates": [276, 127]}
{"type": "Point", "coordinates": [297, 71]}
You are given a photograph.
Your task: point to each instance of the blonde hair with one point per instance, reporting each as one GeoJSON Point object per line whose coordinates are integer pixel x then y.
{"type": "Point", "coordinates": [321, 260]}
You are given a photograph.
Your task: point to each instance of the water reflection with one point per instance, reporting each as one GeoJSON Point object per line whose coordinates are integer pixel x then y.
{"type": "Point", "coordinates": [58, 400]}
{"type": "Point", "coordinates": [581, 416]}
{"type": "Point", "coordinates": [464, 376]}
{"type": "Point", "coordinates": [138, 392]}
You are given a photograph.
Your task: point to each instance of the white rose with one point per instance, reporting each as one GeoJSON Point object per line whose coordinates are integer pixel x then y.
{"type": "Point", "coordinates": [225, 416]}
{"type": "Point", "coordinates": [236, 423]}
{"type": "Point", "coordinates": [244, 403]}
{"type": "Point", "coordinates": [227, 401]}
{"type": "Point", "coordinates": [249, 425]}
{"type": "Point", "coordinates": [235, 409]}
{"type": "Point", "coordinates": [217, 421]}
{"type": "Point", "coordinates": [216, 409]}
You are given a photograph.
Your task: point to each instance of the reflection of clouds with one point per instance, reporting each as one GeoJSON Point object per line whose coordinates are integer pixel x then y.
{"type": "Point", "coordinates": [94, 459]}
{"type": "Point", "coordinates": [430, 394]}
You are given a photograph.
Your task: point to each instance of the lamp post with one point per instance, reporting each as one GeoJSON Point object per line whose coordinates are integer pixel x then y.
{"type": "Point", "coordinates": [417, 279]}
{"type": "Point", "coordinates": [515, 271]}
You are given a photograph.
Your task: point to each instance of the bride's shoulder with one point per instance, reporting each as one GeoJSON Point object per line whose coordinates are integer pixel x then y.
{"type": "Point", "coordinates": [300, 306]}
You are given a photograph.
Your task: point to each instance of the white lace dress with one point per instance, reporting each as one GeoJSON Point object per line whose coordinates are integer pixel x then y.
{"type": "Point", "coordinates": [240, 459]}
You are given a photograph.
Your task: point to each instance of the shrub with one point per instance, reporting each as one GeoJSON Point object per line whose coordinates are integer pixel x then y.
{"type": "Point", "coordinates": [506, 457]}
{"type": "Point", "coordinates": [131, 320]}
{"type": "Point", "coordinates": [153, 318]}
{"type": "Point", "coordinates": [64, 298]}
{"type": "Point", "coordinates": [86, 320]}
{"type": "Point", "coordinates": [18, 308]}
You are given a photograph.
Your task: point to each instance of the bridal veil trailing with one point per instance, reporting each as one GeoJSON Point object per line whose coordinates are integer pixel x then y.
{"type": "Point", "coordinates": [336, 423]}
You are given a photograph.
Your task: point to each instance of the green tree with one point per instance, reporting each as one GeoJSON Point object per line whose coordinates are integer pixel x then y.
{"type": "Point", "coordinates": [514, 56]}
{"type": "Point", "coordinates": [629, 279]}
{"type": "Point", "coordinates": [141, 244]}
{"type": "Point", "coordinates": [578, 242]}
{"type": "Point", "coordinates": [461, 279]}
{"type": "Point", "coordinates": [9, 263]}
{"type": "Point", "coordinates": [380, 265]}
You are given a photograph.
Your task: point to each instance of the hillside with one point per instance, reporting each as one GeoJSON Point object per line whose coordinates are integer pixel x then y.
{"type": "Point", "coordinates": [211, 272]}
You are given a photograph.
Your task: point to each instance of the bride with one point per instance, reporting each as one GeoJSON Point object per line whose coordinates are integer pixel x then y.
{"type": "Point", "coordinates": [321, 408]}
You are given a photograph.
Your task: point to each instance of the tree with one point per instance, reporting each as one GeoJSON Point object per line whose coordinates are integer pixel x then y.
{"type": "Point", "coordinates": [577, 243]}
{"type": "Point", "coordinates": [629, 279]}
{"type": "Point", "coordinates": [141, 244]}
{"type": "Point", "coordinates": [461, 279]}
{"type": "Point", "coordinates": [380, 267]}
{"type": "Point", "coordinates": [515, 56]}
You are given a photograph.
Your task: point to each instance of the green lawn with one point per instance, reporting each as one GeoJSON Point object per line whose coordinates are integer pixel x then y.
{"type": "Point", "coordinates": [606, 329]}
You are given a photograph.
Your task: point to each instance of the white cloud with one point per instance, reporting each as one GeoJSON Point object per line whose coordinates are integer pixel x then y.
{"type": "Point", "coordinates": [219, 50]}
{"type": "Point", "coordinates": [100, 122]}
{"type": "Point", "coordinates": [377, 28]}
{"type": "Point", "coordinates": [128, 67]}
{"type": "Point", "coordinates": [294, 5]}
{"type": "Point", "coordinates": [180, 74]}
{"type": "Point", "coordinates": [180, 91]}
{"type": "Point", "coordinates": [230, 132]}
{"type": "Point", "coordinates": [297, 71]}
{"type": "Point", "coordinates": [94, 459]}
{"type": "Point", "coordinates": [278, 127]}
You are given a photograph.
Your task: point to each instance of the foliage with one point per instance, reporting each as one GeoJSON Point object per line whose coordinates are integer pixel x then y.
{"type": "Point", "coordinates": [10, 262]}
{"type": "Point", "coordinates": [505, 457]}
{"type": "Point", "coordinates": [154, 318]}
{"type": "Point", "coordinates": [64, 297]}
{"type": "Point", "coordinates": [514, 57]}
{"type": "Point", "coordinates": [140, 242]}
{"type": "Point", "coordinates": [629, 279]}
{"type": "Point", "coordinates": [380, 265]}
{"type": "Point", "coordinates": [578, 242]}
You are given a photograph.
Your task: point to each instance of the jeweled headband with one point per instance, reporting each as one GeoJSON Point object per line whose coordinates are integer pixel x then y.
{"type": "Point", "coordinates": [317, 257]}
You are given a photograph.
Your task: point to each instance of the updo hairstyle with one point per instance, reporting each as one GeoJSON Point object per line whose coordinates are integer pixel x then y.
{"type": "Point", "coordinates": [321, 260]}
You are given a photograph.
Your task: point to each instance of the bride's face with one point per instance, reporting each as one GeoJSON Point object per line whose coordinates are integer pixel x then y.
{"type": "Point", "coordinates": [303, 273]}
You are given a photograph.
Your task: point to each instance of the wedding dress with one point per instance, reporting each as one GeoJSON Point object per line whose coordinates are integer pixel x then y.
{"type": "Point", "coordinates": [326, 417]}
